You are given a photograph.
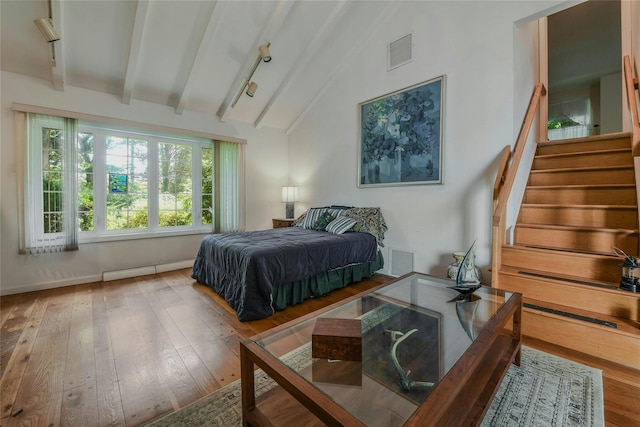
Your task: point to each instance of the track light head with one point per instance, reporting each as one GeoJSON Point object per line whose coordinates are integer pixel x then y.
{"type": "Point", "coordinates": [264, 52]}
{"type": "Point", "coordinates": [251, 90]}
{"type": "Point", "coordinates": [45, 25]}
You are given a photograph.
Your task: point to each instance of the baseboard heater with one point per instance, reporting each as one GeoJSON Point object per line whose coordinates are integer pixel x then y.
{"type": "Point", "coordinates": [144, 271]}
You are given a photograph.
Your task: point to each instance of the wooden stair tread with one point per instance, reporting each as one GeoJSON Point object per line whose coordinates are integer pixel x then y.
{"type": "Point", "coordinates": [624, 326]}
{"type": "Point", "coordinates": [563, 250]}
{"type": "Point", "coordinates": [527, 248]}
{"type": "Point", "coordinates": [566, 206]}
{"type": "Point", "coordinates": [579, 186]}
{"type": "Point", "coordinates": [582, 153]}
{"type": "Point", "coordinates": [569, 280]}
{"type": "Point", "coordinates": [577, 228]}
{"type": "Point", "coordinates": [581, 169]}
{"type": "Point", "coordinates": [592, 138]}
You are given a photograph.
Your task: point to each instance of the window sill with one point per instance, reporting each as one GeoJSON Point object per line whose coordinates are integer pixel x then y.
{"type": "Point", "coordinates": [87, 237]}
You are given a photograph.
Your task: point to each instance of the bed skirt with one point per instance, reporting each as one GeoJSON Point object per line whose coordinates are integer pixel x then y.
{"type": "Point", "coordinates": [291, 293]}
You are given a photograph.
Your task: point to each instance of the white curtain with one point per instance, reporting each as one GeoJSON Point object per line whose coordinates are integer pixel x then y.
{"type": "Point", "coordinates": [53, 230]}
{"type": "Point", "coordinates": [231, 180]}
{"type": "Point", "coordinates": [70, 184]}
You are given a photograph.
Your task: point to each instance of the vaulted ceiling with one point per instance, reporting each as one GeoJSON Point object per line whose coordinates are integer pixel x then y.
{"type": "Point", "coordinates": [192, 55]}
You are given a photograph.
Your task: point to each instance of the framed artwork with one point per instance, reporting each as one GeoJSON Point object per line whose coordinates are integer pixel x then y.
{"type": "Point", "coordinates": [401, 137]}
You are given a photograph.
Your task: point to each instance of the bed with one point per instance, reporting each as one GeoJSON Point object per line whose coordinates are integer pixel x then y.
{"type": "Point", "coordinates": [258, 272]}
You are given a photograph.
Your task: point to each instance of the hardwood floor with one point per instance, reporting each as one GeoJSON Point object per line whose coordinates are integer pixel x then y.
{"type": "Point", "coordinates": [125, 352]}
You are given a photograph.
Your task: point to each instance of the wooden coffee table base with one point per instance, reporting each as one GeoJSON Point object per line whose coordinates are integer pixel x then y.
{"type": "Point", "coordinates": [461, 398]}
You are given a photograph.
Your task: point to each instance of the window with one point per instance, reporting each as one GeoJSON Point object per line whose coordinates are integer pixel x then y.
{"type": "Point", "coordinates": [127, 183]}
{"type": "Point", "coordinates": [50, 175]}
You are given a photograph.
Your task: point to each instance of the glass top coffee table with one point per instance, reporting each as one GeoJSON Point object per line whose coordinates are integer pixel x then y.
{"type": "Point", "coordinates": [410, 353]}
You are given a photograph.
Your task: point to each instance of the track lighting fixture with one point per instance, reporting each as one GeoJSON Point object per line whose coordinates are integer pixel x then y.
{"type": "Point", "coordinates": [264, 53]}
{"type": "Point", "coordinates": [251, 90]}
{"type": "Point", "coordinates": [45, 25]}
{"type": "Point", "coordinates": [248, 86]}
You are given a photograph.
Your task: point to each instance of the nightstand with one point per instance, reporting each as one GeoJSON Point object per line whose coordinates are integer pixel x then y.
{"type": "Point", "coordinates": [281, 222]}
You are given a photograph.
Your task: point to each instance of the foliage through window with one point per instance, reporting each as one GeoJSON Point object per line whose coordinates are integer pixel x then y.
{"type": "Point", "coordinates": [126, 182]}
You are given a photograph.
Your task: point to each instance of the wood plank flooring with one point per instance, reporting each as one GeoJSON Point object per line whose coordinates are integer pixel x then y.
{"type": "Point", "coordinates": [123, 353]}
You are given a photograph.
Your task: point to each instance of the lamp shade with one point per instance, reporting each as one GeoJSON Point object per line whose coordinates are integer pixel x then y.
{"type": "Point", "coordinates": [289, 194]}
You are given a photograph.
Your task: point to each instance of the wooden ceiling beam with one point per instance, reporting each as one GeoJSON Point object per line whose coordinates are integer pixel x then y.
{"type": "Point", "coordinates": [208, 36]}
{"type": "Point", "coordinates": [133, 59]}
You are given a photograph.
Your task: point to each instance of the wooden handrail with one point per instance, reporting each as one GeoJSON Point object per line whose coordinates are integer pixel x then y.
{"type": "Point", "coordinates": [505, 179]}
{"type": "Point", "coordinates": [501, 206]}
{"type": "Point", "coordinates": [631, 85]}
{"type": "Point", "coordinates": [505, 156]}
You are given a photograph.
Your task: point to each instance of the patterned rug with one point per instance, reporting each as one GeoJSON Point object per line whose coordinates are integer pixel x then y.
{"type": "Point", "coordinates": [545, 390]}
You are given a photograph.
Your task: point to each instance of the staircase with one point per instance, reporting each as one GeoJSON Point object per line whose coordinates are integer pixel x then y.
{"type": "Point", "coordinates": [580, 201]}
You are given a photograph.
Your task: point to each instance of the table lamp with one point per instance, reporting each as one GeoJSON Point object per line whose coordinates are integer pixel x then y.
{"type": "Point", "coordinates": [289, 196]}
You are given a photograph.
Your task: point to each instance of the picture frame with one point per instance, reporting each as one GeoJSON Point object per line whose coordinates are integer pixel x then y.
{"type": "Point", "coordinates": [401, 136]}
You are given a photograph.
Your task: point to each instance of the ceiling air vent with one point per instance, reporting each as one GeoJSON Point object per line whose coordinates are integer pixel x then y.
{"type": "Point", "coordinates": [399, 52]}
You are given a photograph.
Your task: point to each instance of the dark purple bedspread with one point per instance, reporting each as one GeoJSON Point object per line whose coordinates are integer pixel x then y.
{"type": "Point", "coordinates": [245, 267]}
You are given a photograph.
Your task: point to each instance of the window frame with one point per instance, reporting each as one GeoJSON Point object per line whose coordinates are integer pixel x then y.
{"type": "Point", "coordinates": [35, 215]}
{"type": "Point", "coordinates": [232, 180]}
{"type": "Point", "coordinates": [100, 133]}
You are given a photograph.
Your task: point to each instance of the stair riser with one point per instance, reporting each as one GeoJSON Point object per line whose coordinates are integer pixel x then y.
{"type": "Point", "coordinates": [581, 196]}
{"type": "Point", "coordinates": [581, 240]}
{"type": "Point", "coordinates": [587, 217]}
{"type": "Point", "coordinates": [584, 160]}
{"type": "Point", "coordinates": [595, 269]}
{"type": "Point", "coordinates": [583, 177]}
{"type": "Point", "coordinates": [580, 297]}
{"type": "Point", "coordinates": [578, 147]}
{"type": "Point", "coordinates": [600, 342]}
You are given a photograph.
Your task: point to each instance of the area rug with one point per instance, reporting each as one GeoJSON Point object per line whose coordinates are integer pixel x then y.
{"type": "Point", "coordinates": [545, 390]}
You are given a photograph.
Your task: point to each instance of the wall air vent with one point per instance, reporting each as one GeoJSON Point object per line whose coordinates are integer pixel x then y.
{"type": "Point", "coordinates": [399, 52]}
{"type": "Point", "coordinates": [401, 262]}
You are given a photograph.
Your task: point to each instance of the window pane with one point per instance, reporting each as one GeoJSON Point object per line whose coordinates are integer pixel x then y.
{"type": "Point", "coordinates": [52, 180]}
{"type": "Point", "coordinates": [85, 181]}
{"type": "Point", "coordinates": [53, 222]}
{"type": "Point", "coordinates": [174, 184]}
{"type": "Point", "coordinates": [127, 205]}
{"type": "Point", "coordinates": [207, 186]}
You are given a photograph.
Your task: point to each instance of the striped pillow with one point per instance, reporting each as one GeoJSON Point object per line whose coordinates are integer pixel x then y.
{"type": "Point", "coordinates": [314, 214]}
{"type": "Point", "coordinates": [341, 224]}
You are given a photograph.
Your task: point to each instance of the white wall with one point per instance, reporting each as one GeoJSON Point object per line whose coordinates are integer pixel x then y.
{"type": "Point", "coordinates": [490, 73]}
{"type": "Point", "coordinates": [611, 103]}
{"type": "Point", "coordinates": [266, 173]}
